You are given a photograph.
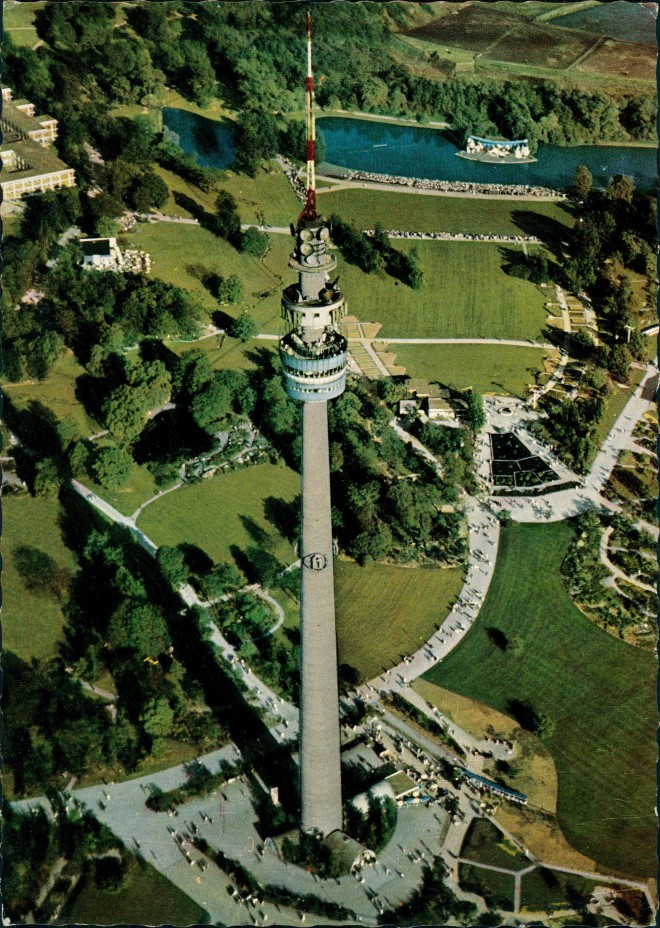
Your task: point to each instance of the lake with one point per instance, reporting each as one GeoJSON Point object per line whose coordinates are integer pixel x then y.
{"type": "Point", "coordinates": [387, 148]}
{"type": "Point", "coordinates": [211, 141]}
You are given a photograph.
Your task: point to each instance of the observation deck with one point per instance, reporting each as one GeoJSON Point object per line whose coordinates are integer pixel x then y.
{"type": "Point", "coordinates": [314, 372]}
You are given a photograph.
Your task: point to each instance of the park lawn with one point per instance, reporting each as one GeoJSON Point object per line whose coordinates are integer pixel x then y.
{"type": "Point", "coordinates": [416, 212]}
{"type": "Point", "coordinates": [145, 897]}
{"type": "Point", "coordinates": [474, 717]}
{"type": "Point", "coordinates": [140, 487]}
{"type": "Point", "coordinates": [544, 889]}
{"type": "Point", "coordinates": [495, 887]}
{"type": "Point", "coordinates": [177, 250]}
{"type": "Point", "coordinates": [32, 619]}
{"type": "Point", "coordinates": [18, 21]}
{"type": "Point", "coordinates": [225, 513]}
{"type": "Point", "coordinates": [57, 392]}
{"type": "Point", "coordinates": [485, 844]}
{"type": "Point", "coordinates": [267, 198]}
{"type": "Point", "coordinates": [597, 692]}
{"type": "Point", "coordinates": [500, 369]}
{"type": "Point", "coordinates": [385, 611]}
{"type": "Point", "coordinates": [230, 354]}
{"type": "Point", "coordinates": [465, 294]}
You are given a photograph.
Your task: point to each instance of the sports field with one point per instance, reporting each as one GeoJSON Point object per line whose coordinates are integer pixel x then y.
{"type": "Point", "coordinates": [385, 611]}
{"type": "Point", "coordinates": [598, 692]}
{"type": "Point", "coordinates": [498, 369]}
{"type": "Point", "coordinates": [224, 512]}
{"type": "Point", "coordinates": [57, 392]}
{"type": "Point", "coordinates": [36, 570]}
{"type": "Point", "coordinates": [412, 212]}
{"type": "Point", "coordinates": [144, 897]}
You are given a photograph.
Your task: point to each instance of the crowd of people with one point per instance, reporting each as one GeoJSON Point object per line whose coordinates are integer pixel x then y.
{"type": "Point", "coordinates": [460, 236]}
{"type": "Point", "coordinates": [454, 186]}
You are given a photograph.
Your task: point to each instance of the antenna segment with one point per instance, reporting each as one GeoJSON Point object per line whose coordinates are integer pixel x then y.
{"type": "Point", "coordinates": [309, 210]}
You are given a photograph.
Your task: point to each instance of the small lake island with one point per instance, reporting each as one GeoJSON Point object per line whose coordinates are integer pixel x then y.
{"type": "Point", "coordinates": [497, 151]}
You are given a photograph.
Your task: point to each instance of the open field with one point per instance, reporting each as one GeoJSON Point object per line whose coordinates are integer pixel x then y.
{"type": "Point", "coordinates": [621, 59]}
{"type": "Point", "coordinates": [36, 569]}
{"type": "Point", "coordinates": [266, 198]}
{"type": "Point", "coordinates": [485, 844]}
{"type": "Point", "coordinates": [466, 294]}
{"type": "Point", "coordinates": [446, 214]}
{"type": "Point", "coordinates": [598, 692]}
{"type": "Point", "coordinates": [231, 354]}
{"type": "Point", "coordinates": [145, 897]}
{"type": "Point", "coordinates": [225, 512]}
{"type": "Point", "coordinates": [495, 887]}
{"type": "Point", "coordinates": [138, 489]}
{"type": "Point", "coordinates": [633, 22]}
{"type": "Point", "coordinates": [18, 21]}
{"type": "Point", "coordinates": [58, 394]}
{"type": "Point", "coordinates": [498, 369]}
{"type": "Point", "coordinates": [473, 28]}
{"type": "Point", "coordinates": [545, 890]}
{"type": "Point", "coordinates": [475, 717]}
{"type": "Point", "coordinates": [542, 46]}
{"type": "Point", "coordinates": [176, 250]}
{"type": "Point", "coordinates": [384, 611]}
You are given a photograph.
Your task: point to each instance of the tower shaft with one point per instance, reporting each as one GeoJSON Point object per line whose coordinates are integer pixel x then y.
{"type": "Point", "coordinates": [320, 763]}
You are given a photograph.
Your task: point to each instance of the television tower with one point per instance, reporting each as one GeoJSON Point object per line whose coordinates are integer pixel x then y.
{"type": "Point", "coordinates": [313, 356]}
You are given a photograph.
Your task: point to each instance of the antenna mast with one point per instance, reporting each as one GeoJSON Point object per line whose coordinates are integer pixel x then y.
{"type": "Point", "coordinates": [309, 210]}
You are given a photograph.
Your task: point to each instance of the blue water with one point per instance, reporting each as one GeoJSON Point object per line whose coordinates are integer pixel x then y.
{"type": "Point", "coordinates": [211, 141]}
{"type": "Point", "coordinates": [416, 152]}
{"type": "Point", "coordinates": [413, 151]}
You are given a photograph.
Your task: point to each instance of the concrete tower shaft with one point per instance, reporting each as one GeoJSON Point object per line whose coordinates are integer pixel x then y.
{"type": "Point", "coordinates": [320, 756]}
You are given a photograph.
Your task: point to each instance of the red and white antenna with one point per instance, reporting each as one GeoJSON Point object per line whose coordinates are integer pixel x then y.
{"type": "Point", "coordinates": [309, 210]}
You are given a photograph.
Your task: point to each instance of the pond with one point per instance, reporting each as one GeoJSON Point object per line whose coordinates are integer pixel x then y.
{"type": "Point", "coordinates": [211, 141]}
{"type": "Point", "coordinates": [369, 145]}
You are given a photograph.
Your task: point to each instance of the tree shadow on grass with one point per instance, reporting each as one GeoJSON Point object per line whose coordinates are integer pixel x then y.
{"type": "Point", "coordinates": [206, 220]}
{"type": "Point", "coordinates": [284, 516]}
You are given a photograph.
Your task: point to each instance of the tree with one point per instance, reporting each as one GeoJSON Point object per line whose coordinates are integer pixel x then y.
{"type": "Point", "coordinates": [46, 478]}
{"type": "Point", "coordinates": [583, 182]}
{"type": "Point", "coordinates": [173, 565]}
{"type": "Point", "coordinates": [149, 190]}
{"type": "Point", "coordinates": [221, 579]}
{"type": "Point", "coordinates": [618, 363]}
{"type": "Point", "coordinates": [112, 467]}
{"type": "Point", "coordinates": [212, 404]}
{"type": "Point", "coordinates": [254, 242]}
{"type": "Point", "coordinates": [244, 328]}
{"type": "Point", "coordinates": [227, 220]}
{"type": "Point", "coordinates": [621, 188]}
{"type": "Point", "coordinates": [474, 414]}
{"type": "Point", "coordinates": [78, 457]}
{"type": "Point", "coordinates": [138, 628]}
{"type": "Point", "coordinates": [124, 414]}
{"type": "Point", "coordinates": [229, 289]}
{"type": "Point", "coordinates": [157, 717]}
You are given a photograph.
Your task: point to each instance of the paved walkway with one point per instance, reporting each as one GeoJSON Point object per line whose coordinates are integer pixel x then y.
{"type": "Point", "coordinates": [616, 571]}
{"type": "Point", "coordinates": [418, 446]}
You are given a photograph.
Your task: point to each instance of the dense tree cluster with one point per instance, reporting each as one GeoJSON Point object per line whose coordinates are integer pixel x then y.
{"type": "Point", "coordinates": [374, 253]}
{"type": "Point", "coordinates": [571, 427]}
{"type": "Point", "coordinates": [372, 828]}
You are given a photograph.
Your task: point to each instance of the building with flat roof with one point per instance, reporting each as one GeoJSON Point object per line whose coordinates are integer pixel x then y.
{"type": "Point", "coordinates": [28, 164]}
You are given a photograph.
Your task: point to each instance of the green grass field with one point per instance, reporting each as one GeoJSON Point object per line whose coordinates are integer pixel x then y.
{"type": "Point", "coordinates": [598, 691]}
{"type": "Point", "coordinates": [32, 618]}
{"type": "Point", "coordinates": [224, 511]}
{"type": "Point", "coordinates": [232, 355]}
{"type": "Point", "coordinates": [139, 488]}
{"type": "Point", "coordinates": [614, 405]}
{"type": "Point", "coordinates": [268, 197]}
{"type": "Point", "coordinates": [465, 294]}
{"type": "Point", "coordinates": [176, 250]}
{"type": "Point", "coordinates": [543, 889]}
{"type": "Point", "coordinates": [415, 212]}
{"type": "Point", "coordinates": [144, 898]}
{"type": "Point", "coordinates": [384, 611]}
{"type": "Point", "coordinates": [18, 21]}
{"type": "Point", "coordinates": [495, 887]}
{"type": "Point", "coordinates": [485, 844]}
{"type": "Point", "coordinates": [487, 368]}
{"type": "Point", "coordinates": [58, 393]}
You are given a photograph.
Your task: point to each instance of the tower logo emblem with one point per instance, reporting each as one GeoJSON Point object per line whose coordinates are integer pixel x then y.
{"type": "Point", "coordinates": [315, 561]}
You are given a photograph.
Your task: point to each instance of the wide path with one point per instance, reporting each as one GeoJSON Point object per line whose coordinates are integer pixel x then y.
{"type": "Point", "coordinates": [483, 539]}
{"type": "Point", "coordinates": [432, 192]}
